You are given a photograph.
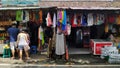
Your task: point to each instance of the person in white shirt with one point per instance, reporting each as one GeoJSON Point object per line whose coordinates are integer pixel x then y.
{"type": "Point", "coordinates": [23, 43]}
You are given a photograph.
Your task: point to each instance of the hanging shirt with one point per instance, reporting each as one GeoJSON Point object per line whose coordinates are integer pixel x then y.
{"type": "Point", "coordinates": [19, 15]}
{"type": "Point", "coordinates": [84, 20]}
{"type": "Point", "coordinates": [54, 20]}
{"type": "Point", "coordinates": [90, 19]}
{"type": "Point", "coordinates": [100, 19]}
{"type": "Point", "coordinates": [25, 16]}
{"type": "Point", "coordinates": [48, 20]}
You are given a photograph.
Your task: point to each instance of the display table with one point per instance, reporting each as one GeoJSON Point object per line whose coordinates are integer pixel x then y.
{"type": "Point", "coordinates": [97, 44]}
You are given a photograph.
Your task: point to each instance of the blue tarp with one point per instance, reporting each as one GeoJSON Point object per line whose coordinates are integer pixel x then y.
{"type": "Point", "coordinates": [19, 2]}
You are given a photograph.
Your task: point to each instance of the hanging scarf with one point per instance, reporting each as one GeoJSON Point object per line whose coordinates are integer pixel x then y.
{"type": "Point", "coordinates": [64, 22]}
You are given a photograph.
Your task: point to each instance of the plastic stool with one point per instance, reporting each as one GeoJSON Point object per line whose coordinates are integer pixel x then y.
{"type": "Point", "coordinates": [33, 50]}
{"type": "Point", "coordinates": [6, 53]}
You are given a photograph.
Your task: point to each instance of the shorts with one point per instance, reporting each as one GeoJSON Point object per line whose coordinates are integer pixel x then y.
{"type": "Point", "coordinates": [20, 47]}
{"type": "Point", "coordinates": [13, 45]}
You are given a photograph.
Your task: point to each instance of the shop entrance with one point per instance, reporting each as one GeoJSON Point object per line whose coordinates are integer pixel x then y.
{"type": "Point", "coordinates": [78, 41]}
{"type": "Point", "coordinates": [85, 25]}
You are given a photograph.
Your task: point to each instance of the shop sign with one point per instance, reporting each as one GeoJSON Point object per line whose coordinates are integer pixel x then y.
{"type": "Point", "coordinates": [19, 2]}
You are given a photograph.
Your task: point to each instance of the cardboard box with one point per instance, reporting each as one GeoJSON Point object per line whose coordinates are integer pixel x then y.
{"type": "Point", "coordinates": [97, 44]}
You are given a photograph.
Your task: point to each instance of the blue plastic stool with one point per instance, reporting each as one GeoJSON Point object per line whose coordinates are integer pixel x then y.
{"type": "Point", "coordinates": [6, 53]}
{"type": "Point", "coordinates": [33, 49]}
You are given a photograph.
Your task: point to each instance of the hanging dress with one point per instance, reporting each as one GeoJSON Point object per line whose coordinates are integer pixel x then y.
{"type": "Point", "coordinates": [60, 48]}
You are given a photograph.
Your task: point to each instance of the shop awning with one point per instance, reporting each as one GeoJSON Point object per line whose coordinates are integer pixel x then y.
{"type": "Point", "coordinates": [90, 8]}
{"type": "Point", "coordinates": [18, 8]}
{"type": "Point", "coordinates": [95, 8]}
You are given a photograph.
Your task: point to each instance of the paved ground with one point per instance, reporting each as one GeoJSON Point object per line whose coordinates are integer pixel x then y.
{"type": "Point", "coordinates": [57, 66]}
{"type": "Point", "coordinates": [42, 59]}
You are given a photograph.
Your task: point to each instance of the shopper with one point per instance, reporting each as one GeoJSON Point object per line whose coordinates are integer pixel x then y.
{"type": "Point", "coordinates": [13, 32]}
{"type": "Point", "coordinates": [23, 43]}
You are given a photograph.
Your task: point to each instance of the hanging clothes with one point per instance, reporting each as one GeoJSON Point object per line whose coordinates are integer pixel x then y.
{"type": "Point", "coordinates": [118, 20]}
{"type": "Point", "coordinates": [48, 20]}
{"type": "Point", "coordinates": [58, 17]}
{"type": "Point", "coordinates": [84, 20]}
{"type": "Point", "coordinates": [106, 28]}
{"type": "Point", "coordinates": [79, 20]}
{"type": "Point", "coordinates": [79, 36]}
{"type": "Point", "coordinates": [100, 19]}
{"type": "Point", "coordinates": [25, 16]}
{"type": "Point", "coordinates": [40, 16]}
{"type": "Point", "coordinates": [74, 21]}
{"type": "Point", "coordinates": [64, 22]}
{"type": "Point", "coordinates": [19, 15]}
{"type": "Point", "coordinates": [33, 18]}
{"type": "Point", "coordinates": [60, 48]}
{"type": "Point", "coordinates": [90, 19]}
{"type": "Point", "coordinates": [61, 16]}
{"type": "Point", "coordinates": [68, 29]}
{"type": "Point", "coordinates": [94, 19]}
{"type": "Point", "coordinates": [37, 17]}
{"type": "Point", "coordinates": [41, 35]}
{"type": "Point", "coordinates": [111, 19]}
{"type": "Point", "coordinates": [54, 20]}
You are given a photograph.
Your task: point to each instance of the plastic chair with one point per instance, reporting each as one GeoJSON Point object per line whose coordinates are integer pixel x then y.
{"type": "Point", "coordinates": [33, 49]}
{"type": "Point", "coordinates": [6, 53]}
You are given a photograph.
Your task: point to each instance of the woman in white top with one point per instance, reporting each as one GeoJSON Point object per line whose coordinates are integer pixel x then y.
{"type": "Point", "coordinates": [23, 43]}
